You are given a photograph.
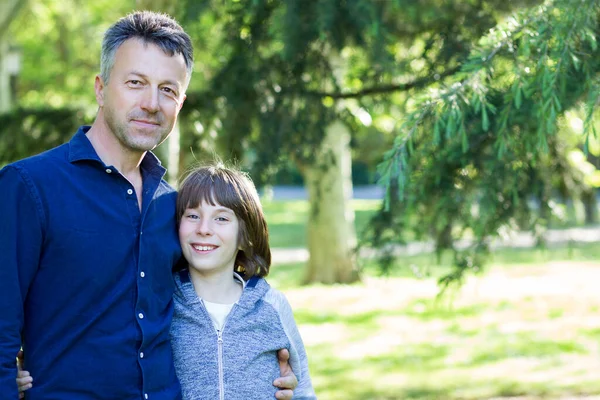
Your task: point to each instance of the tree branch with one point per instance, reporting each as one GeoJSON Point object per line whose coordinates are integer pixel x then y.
{"type": "Point", "coordinates": [376, 90]}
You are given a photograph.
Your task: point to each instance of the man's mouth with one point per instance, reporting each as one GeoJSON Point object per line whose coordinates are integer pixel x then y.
{"type": "Point", "coordinates": [145, 122]}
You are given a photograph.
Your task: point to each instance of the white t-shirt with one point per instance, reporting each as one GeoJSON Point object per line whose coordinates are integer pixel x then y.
{"type": "Point", "coordinates": [218, 313]}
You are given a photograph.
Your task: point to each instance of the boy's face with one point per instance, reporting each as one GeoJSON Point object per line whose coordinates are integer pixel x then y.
{"type": "Point", "coordinates": [209, 238]}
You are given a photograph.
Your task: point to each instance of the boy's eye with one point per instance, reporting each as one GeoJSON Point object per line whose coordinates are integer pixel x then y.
{"type": "Point", "coordinates": [192, 216]}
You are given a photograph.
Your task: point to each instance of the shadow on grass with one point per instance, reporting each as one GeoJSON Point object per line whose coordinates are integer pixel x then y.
{"type": "Point", "coordinates": [354, 379]}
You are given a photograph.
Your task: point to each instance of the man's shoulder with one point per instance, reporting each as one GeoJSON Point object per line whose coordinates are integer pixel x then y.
{"type": "Point", "coordinates": [42, 163]}
{"type": "Point", "coordinates": [48, 157]}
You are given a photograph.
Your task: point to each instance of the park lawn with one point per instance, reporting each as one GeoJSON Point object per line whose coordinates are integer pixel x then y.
{"type": "Point", "coordinates": [529, 326]}
{"type": "Point", "coordinates": [287, 220]}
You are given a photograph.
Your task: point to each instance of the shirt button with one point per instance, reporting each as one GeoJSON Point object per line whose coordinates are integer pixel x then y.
{"type": "Point", "coordinates": [142, 354]}
{"type": "Point", "coordinates": [141, 315]}
{"type": "Point", "coordinates": [108, 171]}
{"type": "Point", "coordinates": [129, 191]}
{"type": "Point", "coordinates": [142, 274]}
{"type": "Point", "coordinates": [145, 395]}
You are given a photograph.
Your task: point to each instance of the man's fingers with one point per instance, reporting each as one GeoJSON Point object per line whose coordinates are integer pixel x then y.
{"type": "Point", "coordinates": [286, 381]}
{"type": "Point", "coordinates": [23, 374]}
{"type": "Point", "coordinates": [284, 395]}
{"type": "Point", "coordinates": [23, 388]}
{"type": "Point", "coordinates": [24, 380]}
{"type": "Point", "coordinates": [283, 355]}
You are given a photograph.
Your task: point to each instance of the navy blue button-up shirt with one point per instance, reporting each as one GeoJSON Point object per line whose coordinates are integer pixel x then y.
{"type": "Point", "coordinates": [85, 277]}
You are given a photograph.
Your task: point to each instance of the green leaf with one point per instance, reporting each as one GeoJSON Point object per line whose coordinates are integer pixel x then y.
{"type": "Point", "coordinates": [436, 132]}
{"type": "Point", "coordinates": [518, 97]}
{"type": "Point", "coordinates": [465, 140]}
{"type": "Point", "coordinates": [485, 122]}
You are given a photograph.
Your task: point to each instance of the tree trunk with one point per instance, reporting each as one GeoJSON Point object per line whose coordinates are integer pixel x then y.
{"type": "Point", "coordinates": [331, 232]}
{"type": "Point", "coordinates": [8, 11]}
{"type": "Point", "coordinates": [590, 205]}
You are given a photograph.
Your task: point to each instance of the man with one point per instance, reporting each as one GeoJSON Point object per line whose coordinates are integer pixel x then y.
{"type": "Point", "coordinates": [88, 235]}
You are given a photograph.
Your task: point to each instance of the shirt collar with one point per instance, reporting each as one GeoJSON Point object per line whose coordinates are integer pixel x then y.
{"type": "Point", "coordinates": [80, 148]}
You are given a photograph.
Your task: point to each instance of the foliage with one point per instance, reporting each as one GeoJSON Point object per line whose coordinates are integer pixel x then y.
{"type": "Point", "coordinates": [286, 69]}
{"type": "Point", "coordinates": [31, 131]}
{"type": "Point", "coordinates": [474, 154]}
{"type": "Point", "coordinates": [60, 45]}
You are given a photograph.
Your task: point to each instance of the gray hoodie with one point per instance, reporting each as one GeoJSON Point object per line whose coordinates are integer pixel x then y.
{"type": "Point", "coordinates": [240, 361]}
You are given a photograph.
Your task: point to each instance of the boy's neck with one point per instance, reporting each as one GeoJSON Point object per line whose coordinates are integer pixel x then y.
{"type": "Point", "coordinates": [217, 287]}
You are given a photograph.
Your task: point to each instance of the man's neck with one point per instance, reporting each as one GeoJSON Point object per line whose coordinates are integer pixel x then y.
{"type": "Point", "coordinates": [111, 152]}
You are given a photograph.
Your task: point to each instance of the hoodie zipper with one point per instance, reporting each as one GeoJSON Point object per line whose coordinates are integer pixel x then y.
{"type": "Point", "coordinates": [220, 361]}
{"type": "Point", "coordinates": [219, 344]}
{"type": "Point", "coordinates": [220, 352]}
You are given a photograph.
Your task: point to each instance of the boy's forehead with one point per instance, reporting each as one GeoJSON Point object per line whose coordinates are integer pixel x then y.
{"type": "Point", "coordinates": [210, 202]}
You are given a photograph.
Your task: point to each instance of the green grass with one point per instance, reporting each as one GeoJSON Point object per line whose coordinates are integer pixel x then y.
{"type": "Point", "coordinates": [528, 326]}
{"type": "Point", "coordinates": [287, 220]}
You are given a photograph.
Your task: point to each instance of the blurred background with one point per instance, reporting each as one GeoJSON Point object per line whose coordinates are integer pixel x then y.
{"type": "Point", "coordinates": [429, 172]}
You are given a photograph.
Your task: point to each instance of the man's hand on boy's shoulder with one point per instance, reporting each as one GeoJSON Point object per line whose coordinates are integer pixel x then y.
{"type": "Point", "coordinates": [287, 382]}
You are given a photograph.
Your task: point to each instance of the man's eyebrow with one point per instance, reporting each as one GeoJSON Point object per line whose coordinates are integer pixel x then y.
{"type": "Point", "coordinates": [144, 76]}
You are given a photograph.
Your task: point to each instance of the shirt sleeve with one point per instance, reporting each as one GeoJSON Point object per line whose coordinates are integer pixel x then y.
{"type": "Point", "coordinates": [20, 248]}
{"type": "Point", "coordinates": [298, 357]}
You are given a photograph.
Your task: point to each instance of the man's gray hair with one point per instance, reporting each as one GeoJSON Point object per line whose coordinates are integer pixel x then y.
{"type": "Point", "coordinates": [150, 27]}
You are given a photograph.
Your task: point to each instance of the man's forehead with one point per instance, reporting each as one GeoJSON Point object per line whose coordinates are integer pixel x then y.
{"type": "Point", "coordinates": [149, 61]}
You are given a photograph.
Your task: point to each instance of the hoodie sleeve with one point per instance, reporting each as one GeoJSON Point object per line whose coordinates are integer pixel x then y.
{"type": "Point", "coordinates": [298, 357]}
{"type": "Point", "coordinates": [20, 248]}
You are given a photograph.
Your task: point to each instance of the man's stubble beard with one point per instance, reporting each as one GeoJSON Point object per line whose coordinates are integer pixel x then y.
{"type": "Point", "coordinates": [127, 136]}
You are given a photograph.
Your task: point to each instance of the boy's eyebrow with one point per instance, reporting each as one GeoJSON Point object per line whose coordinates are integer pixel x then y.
{"type": "Point", "coordinates": [221, 209]}
{"type": "Point", "coordinates": [218, 209]}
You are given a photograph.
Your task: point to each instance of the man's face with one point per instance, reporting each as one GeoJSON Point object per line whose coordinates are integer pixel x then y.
{"type": "Point", "coordinates": [143, 96]}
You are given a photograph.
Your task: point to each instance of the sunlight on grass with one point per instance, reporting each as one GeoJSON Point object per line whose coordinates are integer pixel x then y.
{"type": "Point", "coordinates": [527, 329]}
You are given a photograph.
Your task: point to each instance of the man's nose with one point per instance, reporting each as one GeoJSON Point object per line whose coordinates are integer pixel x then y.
{"type": "Point", "coordinates": [150, 100]}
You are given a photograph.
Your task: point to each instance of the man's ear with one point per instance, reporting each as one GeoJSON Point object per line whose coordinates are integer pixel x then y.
{"type": "Point", "coordinates": [182, 101]}
{"type": "Point", "coordinates": [99, 89]}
